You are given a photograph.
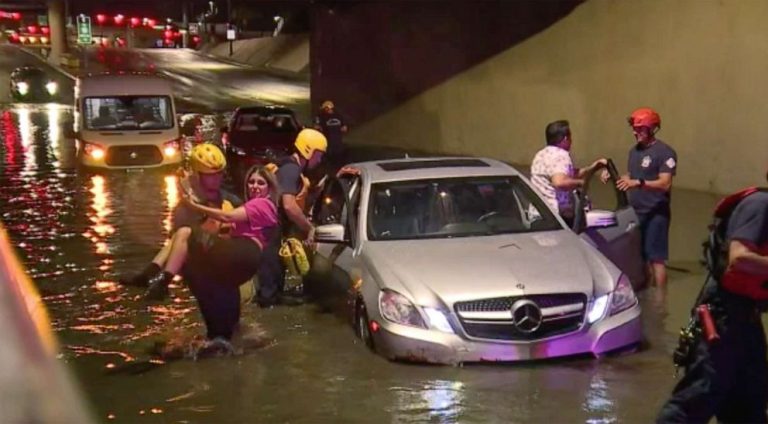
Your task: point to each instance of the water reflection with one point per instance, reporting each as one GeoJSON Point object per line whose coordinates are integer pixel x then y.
{"type": "Point", "coordinates": [436, 401]}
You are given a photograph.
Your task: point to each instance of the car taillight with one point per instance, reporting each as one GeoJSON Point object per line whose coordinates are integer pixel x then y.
{"type": "Point", "coordinates": [171, 148]}
{"type": "Point", "coordinates": [94, 150]}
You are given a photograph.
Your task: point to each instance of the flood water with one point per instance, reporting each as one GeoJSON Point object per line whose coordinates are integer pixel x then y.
{"type": "Point", "coordinates": [76, 232]}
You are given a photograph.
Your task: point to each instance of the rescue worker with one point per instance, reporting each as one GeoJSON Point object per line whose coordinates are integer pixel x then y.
{"type": "Point", "coordinates": [553, 173]}
{"type": "Point", "coordinates": [728, 379]}
{"type": "Point", "coordinates": [310, 146]}
{"type": "Point", "coordinates": [332, 125]}
{"type": "Point", "coordinates": [214, 266]}
{"type": "Point", "coordinates": [207, 163]}
{"type": "Point", "coordinates": [651, 166]}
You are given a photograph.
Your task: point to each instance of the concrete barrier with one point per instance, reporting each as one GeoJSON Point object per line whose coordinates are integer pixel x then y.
{"type": "Point", "coordinates": [284, 54]}
{"type": "Point", "coordinates": [34, 385]}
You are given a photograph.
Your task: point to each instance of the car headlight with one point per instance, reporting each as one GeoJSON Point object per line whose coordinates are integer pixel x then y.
{"type": "Point", "coordinates": [171, 148]}
{"type": "Point", "coordinates": [597, 309]}
{"type": "Point", "coordinates": [52, 87]}
{"type": "Point", "coordinates": [22, 87]}
{"type": "Point", "coordinates": [438, 320]}
{"type": "Point", "coordinates": [396, 308]}
{"type": "Point", "coordinates": [623, 296]}
{"type": "Point", "coordinates": [237, 150]}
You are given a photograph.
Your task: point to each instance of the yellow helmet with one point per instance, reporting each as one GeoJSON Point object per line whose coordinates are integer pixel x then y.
{"type": "Point", "coordinates": [207, 158]}
{"type": "Point", "coordinates": [310, 140]}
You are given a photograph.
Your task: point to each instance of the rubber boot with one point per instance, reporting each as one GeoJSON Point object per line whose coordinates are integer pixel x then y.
{"type": "Point", "coordinates": [141, 279]}
{"type": "Point", "coordinates": [158, 286]}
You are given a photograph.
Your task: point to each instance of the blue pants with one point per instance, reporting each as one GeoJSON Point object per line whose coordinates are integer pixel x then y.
{"type": "Point", "coordinates": [728, 380]}
{"type": "Point", "coordinates": [654, 228]}
{"type": "Point", "coordinates": [271, 271]}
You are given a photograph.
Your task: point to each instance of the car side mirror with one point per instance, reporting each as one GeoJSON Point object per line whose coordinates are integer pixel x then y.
{"type": "Point", "coordinates": [601, 219]}
{"type": "Point", "coordinates": [330, 233]}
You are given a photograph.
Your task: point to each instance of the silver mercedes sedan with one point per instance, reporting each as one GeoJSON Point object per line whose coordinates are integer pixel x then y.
{"type": "Point", "coordinates": [453, 260]}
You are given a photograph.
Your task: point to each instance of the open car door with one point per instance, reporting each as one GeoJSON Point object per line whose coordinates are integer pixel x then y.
{"type": "Point", "coordinates": [615, 231]}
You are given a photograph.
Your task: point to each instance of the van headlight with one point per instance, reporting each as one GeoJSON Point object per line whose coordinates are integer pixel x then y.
{"type": "Point", "coordinates": [623, 296]}
{"type": "Point", "coordinates": [52, 87]}
{"type": "Point", "coordinates": [171, 148]}
{"type": "Point", "coordinates": [94, 150]}
{"type": "Point", "coordinates": [396, 308]}
{"type": "Point", "coordinates": [22, 87]}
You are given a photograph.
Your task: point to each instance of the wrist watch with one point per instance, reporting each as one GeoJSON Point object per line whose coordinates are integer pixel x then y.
{"type": "Point", "coordinates": [642, 182]}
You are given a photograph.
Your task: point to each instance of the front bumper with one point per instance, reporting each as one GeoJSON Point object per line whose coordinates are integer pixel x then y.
{"type": "Point", "coordinates": [399, 342]}
{"type": "Point", "coordinates": [125, 160]}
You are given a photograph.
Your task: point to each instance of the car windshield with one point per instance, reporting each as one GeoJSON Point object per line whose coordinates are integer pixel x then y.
{"type": "Point", "coordinates": [35, 75]}
{"type": "Point", "coordinates": [128, 113]}
{"type": "Point", "coordinates": [456, 207]}
{"type": "Point", "coordinates": [267, 124]}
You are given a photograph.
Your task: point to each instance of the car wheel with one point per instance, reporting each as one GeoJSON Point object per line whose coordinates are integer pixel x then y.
{"type": "Point", "coordinates": [362, 327]}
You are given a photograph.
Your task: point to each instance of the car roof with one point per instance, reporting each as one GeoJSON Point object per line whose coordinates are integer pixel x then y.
{"type": "Point", "coordinates": [123, 84]}
{"type": "Point", "coordinates": [433, 167]}
{"type": "Point", "coordinates": [264, 110]}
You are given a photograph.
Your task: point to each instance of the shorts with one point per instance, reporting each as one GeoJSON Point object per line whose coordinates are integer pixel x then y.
{"type": "Point", "coordinates": [655, 235]}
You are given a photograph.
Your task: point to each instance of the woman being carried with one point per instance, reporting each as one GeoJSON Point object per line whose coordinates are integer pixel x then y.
{"type": "Point", "coordinates": [214, 265]}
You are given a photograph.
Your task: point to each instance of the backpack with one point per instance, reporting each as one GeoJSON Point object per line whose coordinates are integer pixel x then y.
{"type": "Point", "coordinates": [715, 248]}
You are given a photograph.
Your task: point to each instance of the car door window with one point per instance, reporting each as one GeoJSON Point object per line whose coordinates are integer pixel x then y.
{"type": "Point", "coordinates": [329, 208]}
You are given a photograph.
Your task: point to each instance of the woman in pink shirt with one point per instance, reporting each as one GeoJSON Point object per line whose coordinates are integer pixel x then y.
{"type": "Point", "coordinates": [214, 265]}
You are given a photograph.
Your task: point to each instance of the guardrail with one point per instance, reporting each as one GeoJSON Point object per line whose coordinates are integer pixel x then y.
{"type": "Point", "coordinates": [34, 385]}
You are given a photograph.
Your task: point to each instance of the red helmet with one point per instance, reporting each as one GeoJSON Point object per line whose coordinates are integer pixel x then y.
{"type": "Point", "coordinates": [644, 117]}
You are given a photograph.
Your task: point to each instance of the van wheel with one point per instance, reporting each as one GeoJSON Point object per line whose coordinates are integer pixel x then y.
{"type": "Point", "coordinates": [362, 327]}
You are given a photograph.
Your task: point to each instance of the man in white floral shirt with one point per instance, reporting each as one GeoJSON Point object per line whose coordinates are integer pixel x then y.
{"type": "Point", "coordinates": [553, 173]}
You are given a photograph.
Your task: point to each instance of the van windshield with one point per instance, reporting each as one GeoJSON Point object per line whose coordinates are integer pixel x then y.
{"type": "Point", "coordinates": [128, 113]}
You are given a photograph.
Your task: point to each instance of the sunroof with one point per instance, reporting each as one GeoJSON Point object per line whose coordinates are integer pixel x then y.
{"type": "Point", "coordinates": [425, 164]}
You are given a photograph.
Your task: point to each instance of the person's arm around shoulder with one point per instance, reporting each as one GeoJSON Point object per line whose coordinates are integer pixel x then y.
{"type": "Point", "coordinates": [238, 214]}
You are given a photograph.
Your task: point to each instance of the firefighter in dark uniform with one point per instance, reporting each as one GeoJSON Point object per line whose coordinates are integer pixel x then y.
{"type": "Point", "coordinates": [728, 379]}
{"type": "Point", "coordinates": [332, 125]}
{"type": "Point", "coordinates": [652, 165]}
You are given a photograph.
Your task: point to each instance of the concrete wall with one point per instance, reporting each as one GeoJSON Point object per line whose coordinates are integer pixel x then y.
{"type": "Point", "coordinates": [285, 53]}
{"type": "Point", "coordinates": [700, 63]}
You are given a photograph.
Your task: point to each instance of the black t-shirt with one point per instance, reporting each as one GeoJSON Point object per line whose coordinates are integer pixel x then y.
{"type": "Point", "coordinates": [290, 182]}
{"type": "Point", "coordinates": [331, 124]}
{"type": "Point", "coordinates": [647, 163]}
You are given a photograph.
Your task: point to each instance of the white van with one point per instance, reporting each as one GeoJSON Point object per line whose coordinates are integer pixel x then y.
{"type": "Point", "coordinates": [126, 120]}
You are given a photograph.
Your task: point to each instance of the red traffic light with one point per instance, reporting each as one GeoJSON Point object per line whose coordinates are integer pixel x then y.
{"type": "Point", "coordinates": [135, 22]}
{"type": "Point", "coordinates": [101, 18]}
{"type": "Point", "coordinates": [119, 19]}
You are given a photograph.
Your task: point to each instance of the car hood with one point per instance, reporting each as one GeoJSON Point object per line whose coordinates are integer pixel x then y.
{"type": "Point", "coordinates": [461, 269]}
